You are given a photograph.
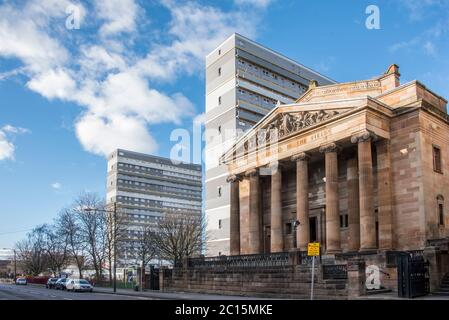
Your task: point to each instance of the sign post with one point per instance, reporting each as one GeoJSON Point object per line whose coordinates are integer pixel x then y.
{"type": "Point", "coordinates": [313, 250]}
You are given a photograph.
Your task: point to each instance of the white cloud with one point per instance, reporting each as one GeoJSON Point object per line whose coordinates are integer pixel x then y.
{"type": "Point", "coordinates": [116, 84]}
{"type": "Point", "coordinates": [119, 16]}
{"type": "Point", "coordinates": [437, 13]}
{"type": "Point", "coordinates": [17, 130]}
{"type": "Point", "coordinates": [197, 30]}
{"type": "Point", "coordinates": [54, 83]}
{"type": "Point", "coordinates": [429, 48]}
{"type": "Point", "coordinates": [257, 3]}
{"type": "Point", "coordinates": [101, 135]}
{"type": "Point", "coordinates": [7, 147]}
{"type": "Point", "coordinates": [419, 9]}
{"type": "Point", "coordinates": [56, 185]}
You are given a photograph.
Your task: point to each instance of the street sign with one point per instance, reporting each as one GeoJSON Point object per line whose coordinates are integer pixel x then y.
{"type": "Point", "coordinates": [313, 249]}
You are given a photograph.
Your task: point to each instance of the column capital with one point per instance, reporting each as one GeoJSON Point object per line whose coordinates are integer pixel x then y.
{"type": "Point", "coordinates": [331, 147]}
{"type": "Point", "coordinates": [234, 178]}
{"type": "Point", "coordinates": [252, 172]}
{"type": "Point", "coordinates": [303, 156]}
{"type": "Point", "coordinates": [363, 136]}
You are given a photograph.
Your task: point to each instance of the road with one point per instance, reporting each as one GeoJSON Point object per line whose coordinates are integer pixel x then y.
{"type": "Point", "coordinates": [35, 292]}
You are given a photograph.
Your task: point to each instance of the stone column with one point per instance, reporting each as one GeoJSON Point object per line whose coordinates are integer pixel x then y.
{"type": "Point", "coordinates": [353, 205]}
{"type": "Point", "coordinates": [384, 195]}
{"type": "Point", "coordinates": [254, 242]}
{"type": "Point", "coordinates": [234, 228]}
{"type": "Point", "coordinates": [367, 216]}
{"type": "Point", "coordinates": [277, 238]}
{"type": "Point", "coordinates": [333, 244]}
{"type": "Point", "coordinates": [302, 200]}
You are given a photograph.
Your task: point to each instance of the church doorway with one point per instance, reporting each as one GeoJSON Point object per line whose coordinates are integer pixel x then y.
{"type": "Point", "coordinates": [313, 229]}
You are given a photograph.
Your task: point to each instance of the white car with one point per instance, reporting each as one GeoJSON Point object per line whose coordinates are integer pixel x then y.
{"type": "Point", "coordinates": [21, 281]}
{"type": "Point", "coordinates": [78, 285]}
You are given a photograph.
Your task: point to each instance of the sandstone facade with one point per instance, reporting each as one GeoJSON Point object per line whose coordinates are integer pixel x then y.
{"type": "Point", "coordinates": [350, 165]}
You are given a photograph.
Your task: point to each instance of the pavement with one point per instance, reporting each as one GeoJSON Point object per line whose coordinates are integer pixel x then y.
{"type": "Point", "coordinates": [198, 296]}
{"type": "Point", "coordinates": [39, 292]}
{"type": "Point", "coordinates": [394, 296]}
{"type": "Point", "coordinates": [174, 295]}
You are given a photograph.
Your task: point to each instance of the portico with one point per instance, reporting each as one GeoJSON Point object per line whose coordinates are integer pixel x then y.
{"type": "Point", "coordinates": [317, 169]}
{"type": "Point", "coordinates": [354, 151]}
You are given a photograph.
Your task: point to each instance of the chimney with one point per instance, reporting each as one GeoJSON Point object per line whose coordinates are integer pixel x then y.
{"type": "Point", "coordinates": [391, 78]}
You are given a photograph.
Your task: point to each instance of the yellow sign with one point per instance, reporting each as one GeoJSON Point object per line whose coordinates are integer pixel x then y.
{"type": "Point", "coordinates": [313, 249]}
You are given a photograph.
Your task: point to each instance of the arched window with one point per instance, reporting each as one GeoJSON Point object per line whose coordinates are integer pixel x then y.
{"type": "Point", "coordinates": [440, 208]}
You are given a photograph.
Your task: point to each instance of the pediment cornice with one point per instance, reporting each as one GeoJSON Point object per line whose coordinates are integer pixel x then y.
{"type": "Point", "coordinates": [289, 120]}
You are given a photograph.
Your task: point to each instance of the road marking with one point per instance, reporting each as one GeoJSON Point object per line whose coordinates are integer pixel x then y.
{"type": "Point", "coordinates": [67, 299]}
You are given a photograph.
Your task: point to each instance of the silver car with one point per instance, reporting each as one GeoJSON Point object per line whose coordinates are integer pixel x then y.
{"type": "Point", "coordinates": [78, 285]}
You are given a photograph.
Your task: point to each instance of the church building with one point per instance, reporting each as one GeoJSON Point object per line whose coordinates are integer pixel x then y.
{"type": "Point", "coordinates": [359, 167]}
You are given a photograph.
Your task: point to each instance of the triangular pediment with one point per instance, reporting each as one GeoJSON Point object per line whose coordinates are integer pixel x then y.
{"type": "Point", "coordinates": [290, 122]}
{"type": "Point", "coordinates": [287, 120]}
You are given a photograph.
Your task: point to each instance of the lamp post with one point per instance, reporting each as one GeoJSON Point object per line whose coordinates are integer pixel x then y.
{"type": "Point", "coordinates": [15, 264]}
{"type": "Point", "coordinates": [114, 236]}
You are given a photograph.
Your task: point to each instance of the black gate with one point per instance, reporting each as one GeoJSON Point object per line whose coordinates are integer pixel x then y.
{"type": "Point", "coordinates": [154, 278]}
{"type": "Point", "coordinates": [413, 275]}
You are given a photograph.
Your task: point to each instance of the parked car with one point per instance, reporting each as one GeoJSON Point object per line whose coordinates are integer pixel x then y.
{"type": "Point", "coordinates": [51, 283]}
{"type": "Point", "coordinates": [21, 281]}
{"type": "Point", "coordinates": [60, 284]}
{"type": "Point", "coordinates": [78, 285]}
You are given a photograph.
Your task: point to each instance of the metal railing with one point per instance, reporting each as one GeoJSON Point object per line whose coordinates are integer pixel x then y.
{"type": "Point", "coordinates": [392, 256]}
{"type": "Point", "coordinates": [335, 272]}
{"type": "Point", "coordinates": [243, 261]}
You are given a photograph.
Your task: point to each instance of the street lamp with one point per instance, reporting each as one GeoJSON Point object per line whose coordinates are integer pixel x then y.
{"type": "Point", "coordinates": [114, 212]}
{"type": "Point", "coordinates": [15, 264]}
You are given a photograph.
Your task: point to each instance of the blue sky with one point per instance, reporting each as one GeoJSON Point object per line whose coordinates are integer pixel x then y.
{"type": "Point", "coordinates": [133, 72]}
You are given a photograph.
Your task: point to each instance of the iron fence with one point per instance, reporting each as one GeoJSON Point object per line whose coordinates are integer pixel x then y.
{"type": "Point", "coordinates": [392, 256]}
{"type": "Point", "coordinates": [335, 271]}
{"type": "Point", "coordinates": [280, 259]}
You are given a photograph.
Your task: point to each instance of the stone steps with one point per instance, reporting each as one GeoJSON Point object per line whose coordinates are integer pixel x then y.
{"type": "Point", "coordinates": [377, 291]}
{"type": "Point", "coordinates": [441, 293]}
{"type": "Point", "coordinates": [443, 290]}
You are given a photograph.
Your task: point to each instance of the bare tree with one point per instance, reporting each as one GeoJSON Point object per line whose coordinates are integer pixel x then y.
{"type": "Point", "coordinates": [70, 229]}
{"type": "Point", "coordinates": [115, 236]}
{"type": "Point", "coordinates": [93, 229]}
{"type": "Point", "coordinates": [145, 245]}
{"type": "Point", "coordinates": [32, 253]}
{"type": "Point", "coordinates": [55, 247]}
{"type": "Point", "coordinates": [178, 236]}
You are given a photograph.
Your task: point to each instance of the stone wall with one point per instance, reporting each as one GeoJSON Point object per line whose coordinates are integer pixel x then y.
{"type": "Point", "coordinates": [288, 282]}
{"type": "Point", "coordinates": [375, 263]}
{"type": "Point", "coordinates": [366, 272]}
{"type": "Point", "coordinates": [408, 197]}
{"type": "Point", "coordinates": [434, 132]}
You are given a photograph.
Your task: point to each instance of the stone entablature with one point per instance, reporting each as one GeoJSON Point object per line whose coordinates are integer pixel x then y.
{"type": "Point", "coordinates": [258, 150]}
{"type": "Point", "coordinates": [374, 129]}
